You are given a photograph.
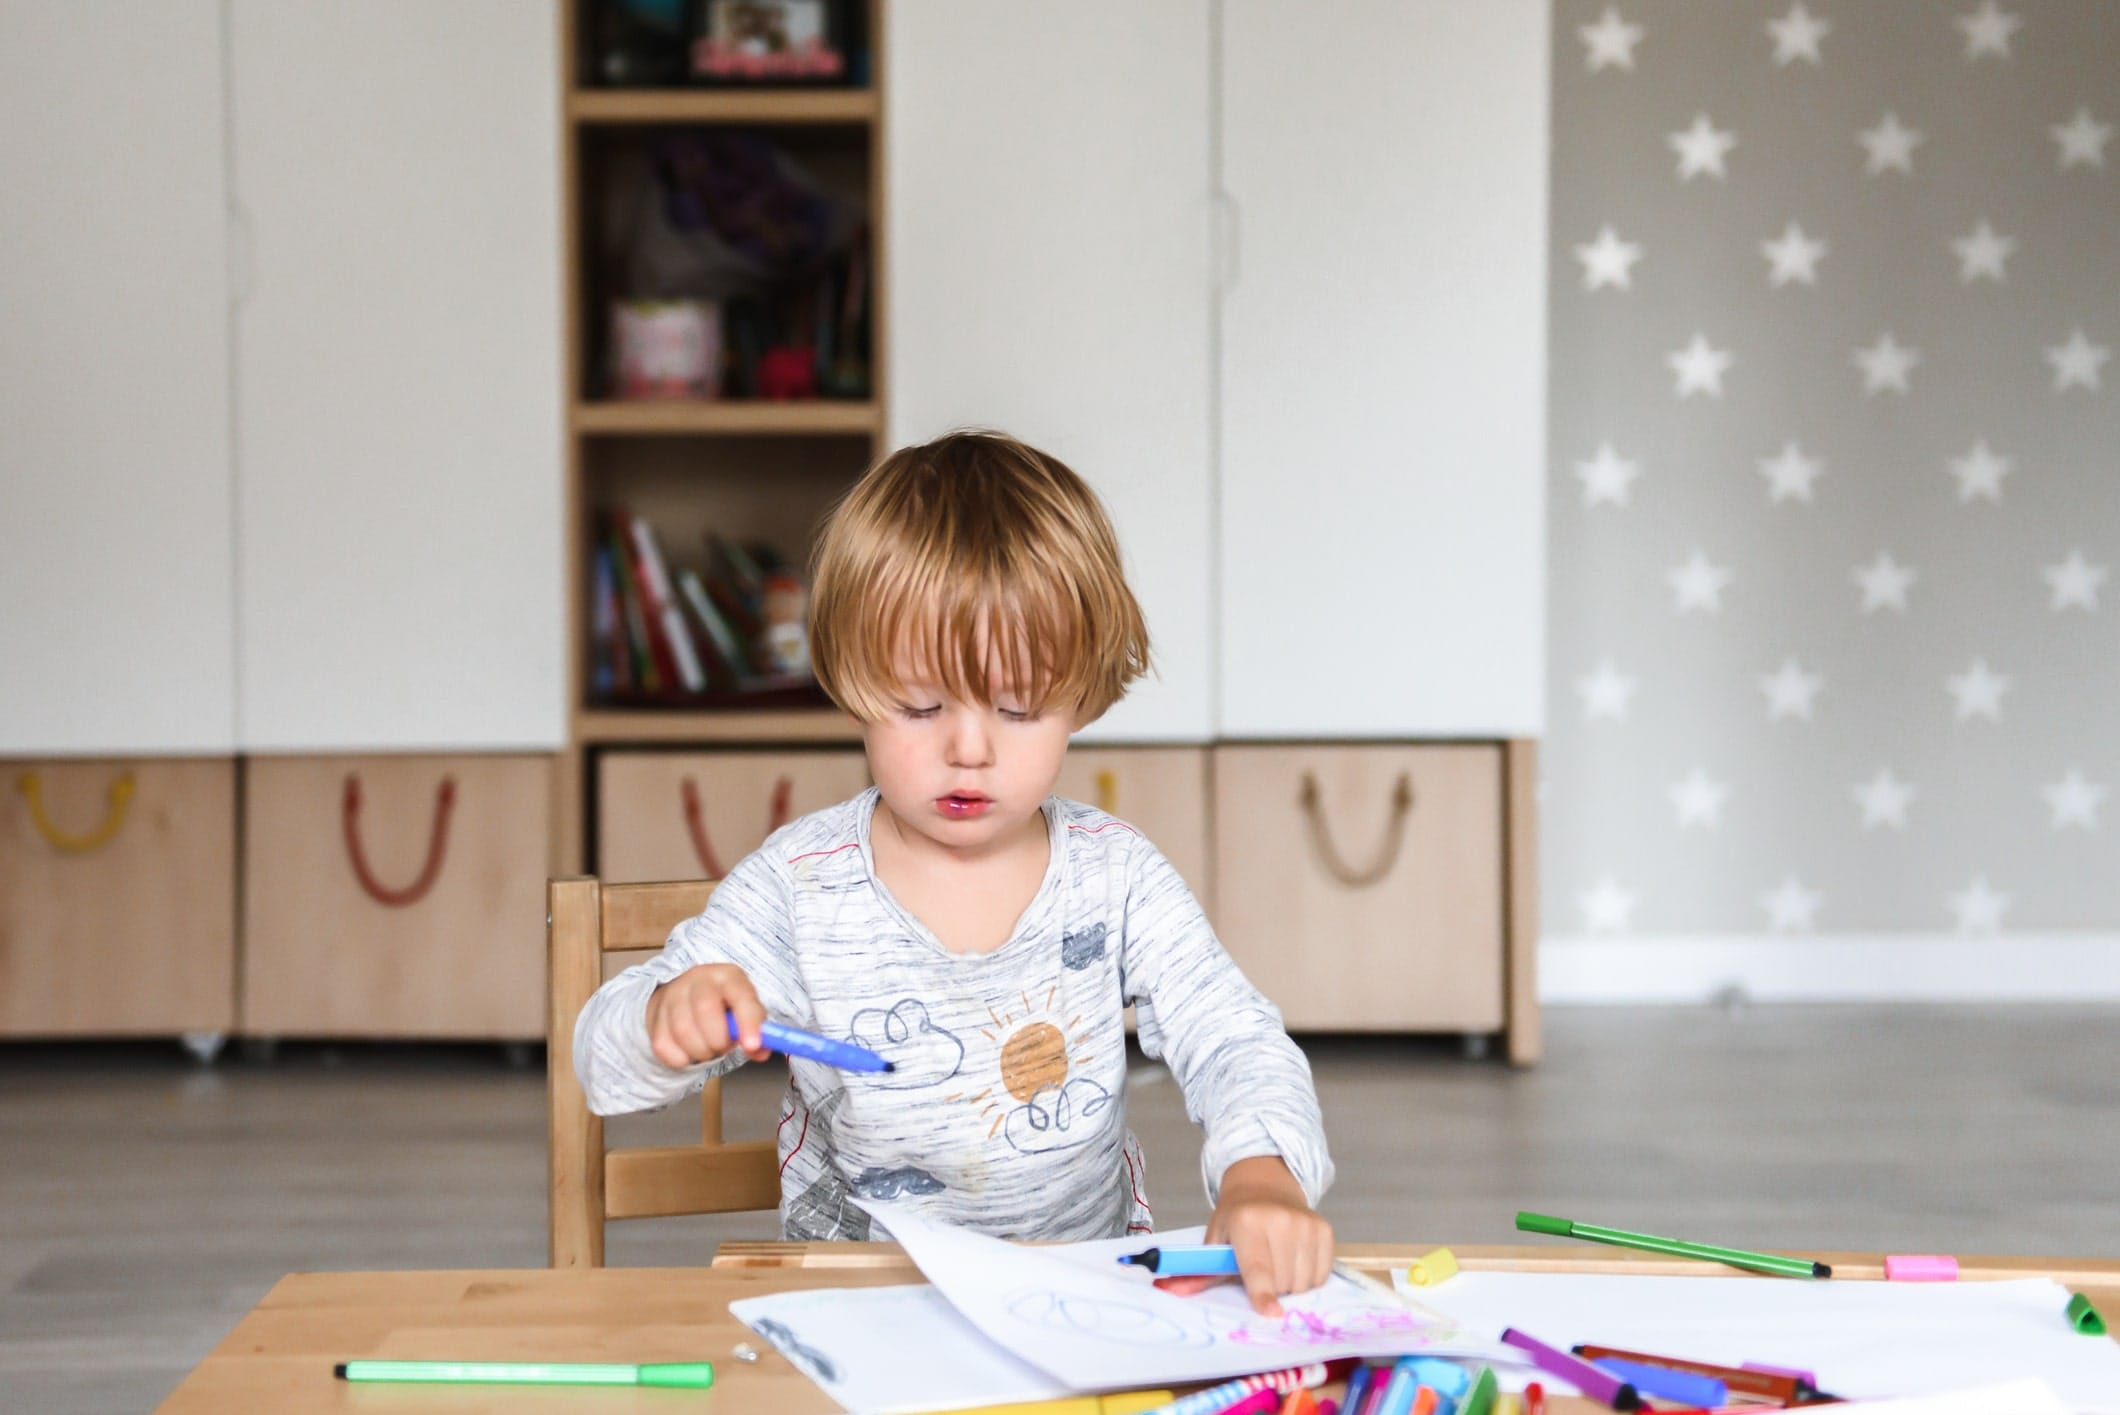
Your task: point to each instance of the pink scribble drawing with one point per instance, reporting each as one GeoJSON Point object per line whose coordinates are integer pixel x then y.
{"type": "Point", "coordinates": [1305, 1328]}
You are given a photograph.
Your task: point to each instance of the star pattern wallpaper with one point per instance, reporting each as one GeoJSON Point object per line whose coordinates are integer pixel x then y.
{"type": "Point", "coordinates": [1835, 443]}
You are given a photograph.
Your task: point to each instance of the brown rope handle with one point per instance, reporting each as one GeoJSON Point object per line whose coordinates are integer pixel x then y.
{"type": "Point", "coordinates": [696, 820]}
{"type": "Point", "coordinates": [1321, 834]}
{"type": "Point", "coordinates": [437, 845]}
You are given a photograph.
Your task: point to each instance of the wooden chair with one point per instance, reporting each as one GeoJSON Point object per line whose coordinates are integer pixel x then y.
{"type": "Point", "coordinates": [585, 920]}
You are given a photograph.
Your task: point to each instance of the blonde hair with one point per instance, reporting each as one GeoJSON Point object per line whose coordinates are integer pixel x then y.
{"type": "Point", "coordinates": [967, 554]}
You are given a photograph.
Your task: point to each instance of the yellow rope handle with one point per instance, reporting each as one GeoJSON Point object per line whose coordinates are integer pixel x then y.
{"type": "Point", "coordinates": [1108, 792]}
{"type": "Point", "coordinates": [121, 793]}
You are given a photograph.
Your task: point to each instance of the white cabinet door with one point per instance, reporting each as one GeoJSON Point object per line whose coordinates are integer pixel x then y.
{"type": "Point", "coordinates": [1048, 259]}
{"type": "Point", "coordinates": [398, 386]}
{"type": "Point", "coordinates": [116, 610]}
{"type": "Point", "coordinates": [1383, 368]}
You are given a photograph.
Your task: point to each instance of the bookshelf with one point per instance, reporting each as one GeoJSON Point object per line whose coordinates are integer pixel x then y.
{"type": "Point", "coordinates": [750, 470]}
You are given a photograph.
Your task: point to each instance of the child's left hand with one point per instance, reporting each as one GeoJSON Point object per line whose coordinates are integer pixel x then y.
{"type": "Point", "coordinates": [1282, 1244]}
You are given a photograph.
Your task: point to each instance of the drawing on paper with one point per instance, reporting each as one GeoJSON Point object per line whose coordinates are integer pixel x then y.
{"type": "Point", "coordinates": [1098, 1317]}
{"type": "Point", "coordinates": [812, 1362]}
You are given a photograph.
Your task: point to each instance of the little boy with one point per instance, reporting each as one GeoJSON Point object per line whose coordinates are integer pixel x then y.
{"type": "Point", "coordinates": [983, 935]}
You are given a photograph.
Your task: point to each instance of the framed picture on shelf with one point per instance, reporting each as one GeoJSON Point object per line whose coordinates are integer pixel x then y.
{"type": "Point", "coordinates": [773, 42]}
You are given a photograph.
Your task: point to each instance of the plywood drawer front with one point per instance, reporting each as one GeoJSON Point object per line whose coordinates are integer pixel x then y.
{"type": "Point", "coordinates": [1160, 791]}
{"type": "Point", "coordinates": [395, 896]}
{"type": "Point", "coordinates": [1414, 942]}
{"type": "Point", "coordinates": [693, 815]}
{"type": "Point", "coordinates": [117, 897]}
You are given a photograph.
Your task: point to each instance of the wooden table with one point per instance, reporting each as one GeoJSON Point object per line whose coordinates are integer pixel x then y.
{"type": "Point", "coordinates": [280, 1356]}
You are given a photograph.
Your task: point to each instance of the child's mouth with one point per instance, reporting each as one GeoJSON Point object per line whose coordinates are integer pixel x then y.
{"type": "Point", "coordinates": [963, 805]}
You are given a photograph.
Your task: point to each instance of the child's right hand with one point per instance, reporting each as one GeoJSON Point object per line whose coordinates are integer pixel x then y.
{"type": "Point", "coordinates": [687, 1016]}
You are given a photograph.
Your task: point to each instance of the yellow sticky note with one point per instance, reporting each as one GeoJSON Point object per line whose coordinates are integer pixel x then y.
{"type": "Point", "coordinates": [1438, 1267]}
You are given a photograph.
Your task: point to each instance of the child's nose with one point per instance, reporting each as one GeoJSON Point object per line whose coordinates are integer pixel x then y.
{"type": "Point", "coordinates": [971, 744]}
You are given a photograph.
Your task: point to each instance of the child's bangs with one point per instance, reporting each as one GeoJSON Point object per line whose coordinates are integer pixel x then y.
{"type": "Point", "coordinates": [973, 637]}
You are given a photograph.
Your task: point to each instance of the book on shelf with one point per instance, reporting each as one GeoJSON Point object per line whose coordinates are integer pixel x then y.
{"type": "Point", "coordinates": [660, 602]}
{"type": "Point", "coordinates": [639, 672]}
{"type": "Point", "coordinates": [605, 630]}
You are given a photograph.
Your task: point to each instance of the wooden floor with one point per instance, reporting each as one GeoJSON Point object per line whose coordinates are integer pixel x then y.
{"type": "Point", "coordinates": [146, 1202]}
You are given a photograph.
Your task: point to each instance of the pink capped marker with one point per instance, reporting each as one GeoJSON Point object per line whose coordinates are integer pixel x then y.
{"type": "Point", "coordinates": [1921, 1267]}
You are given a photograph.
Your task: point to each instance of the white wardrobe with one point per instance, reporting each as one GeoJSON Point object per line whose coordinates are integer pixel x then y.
{"type": "Point", "coordinates": [280, 418]}
{"type": "Point", "coordinates": [1272, 276]}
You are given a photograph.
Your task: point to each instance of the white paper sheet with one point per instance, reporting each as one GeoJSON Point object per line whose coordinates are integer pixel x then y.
{"type": "Point", "coordinates": [1096, 1325]}
{"type": "Point", "coordinates": [1863, 1340]}
{"type": "Point", "coordinates": [892, 1350]}
{"type": "Point", "coordinates": [2016, 1397]}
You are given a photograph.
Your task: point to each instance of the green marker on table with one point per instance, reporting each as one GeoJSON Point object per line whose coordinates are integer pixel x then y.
{"type": "Point", "coordinates": [1771, 1263]}
{"type": "Point", "coordinates": [683, 1375]}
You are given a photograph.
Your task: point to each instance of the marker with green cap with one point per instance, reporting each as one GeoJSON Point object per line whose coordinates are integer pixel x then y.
{"type": "Point", "coordinates": [683, 1375]}
{"type": "Point", "coordinates": [1771, 1263]}
{"type": "Point", "coordinates": [2084, 1317]}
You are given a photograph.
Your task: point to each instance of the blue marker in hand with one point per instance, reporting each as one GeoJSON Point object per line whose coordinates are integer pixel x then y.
{"type": "Point", "coordinates": [1194, 1260]}
{"type": "Point", "coordinates": [794, 1042]}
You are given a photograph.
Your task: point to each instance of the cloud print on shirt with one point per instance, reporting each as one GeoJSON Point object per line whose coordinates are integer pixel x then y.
{"type": "Point", "coordinates": [876, 1182]}
{"type": "Point", "coordinates": [1057, 1118]}
{"type": "Point", "coordinates": [1078, 951]}
{"type": "Point", "coordinates": [922, 1053]}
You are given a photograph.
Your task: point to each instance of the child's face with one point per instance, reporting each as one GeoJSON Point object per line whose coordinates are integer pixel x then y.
{"type": "Point", "coordinates": [968, 778]}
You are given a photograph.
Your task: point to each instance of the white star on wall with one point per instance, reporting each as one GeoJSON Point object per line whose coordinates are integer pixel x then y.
{"type": "Point", "coordinates": [1701, 148]}
{"type": "Point", "coordinates": [1790, 689]}
{"type": "Point", "coordinates": [2082, 140]}
{"type": "Point", "coordinates": [1891, 145]}
{"type": "Point", "coordinates": [1699, 583]}
{"type": "Point", "coordinates": [2076, 363]}
{"type": "Point", "coordinates": [1980, 473]}
{"type": "Point", "coordinates": [1607, 477]}
{"type": "Point", "coordinates": [1607, 908]}
{"type": "Point", "coordinates": [1886, 364]}
{"type": "Point", "coordinates": [1606, 692]}
{"type": "Point", "coordinates": [1610, 41]}
{"type": "Point", "coordinates": [1608, 261]}
{"type": "Point", "coordinates": [2074, 801]}
{"type": "Point", "coordinates": [1794, 256]}
{"type": "Point", "coordinates": [1884, 799]}
{"type": "Point", "coordinates": [1978, 692]}
{"type": "Point", "coordinates": [1796, 36]}
{"type": "Point", "coordinates": [1789, 474]}
{"type": "Point", "coordinates": [1699, 800]}
{"type": "Point", "coordinates": [1978, 907]}
{"type": "Point", "coordinates": [1884, 583]}
{"type": "Point", "coordinates": [1790, 907]}
{"type": "Point", "coordinates": [1982, 254]}
{"type": "Point", "coordinates": [2075, 582]}
{"type": "Point", "coordinates": [1988, 31]}
{"type": "Point", "coordinates": [1700, 368]}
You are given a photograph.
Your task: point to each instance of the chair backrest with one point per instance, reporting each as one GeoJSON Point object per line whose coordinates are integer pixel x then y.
{"type": "Point", "coordinates": [586, 919]}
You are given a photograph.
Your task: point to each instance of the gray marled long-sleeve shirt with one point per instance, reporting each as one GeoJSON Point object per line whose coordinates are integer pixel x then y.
{"type": "Point", "coordinates": [1006, 1111]}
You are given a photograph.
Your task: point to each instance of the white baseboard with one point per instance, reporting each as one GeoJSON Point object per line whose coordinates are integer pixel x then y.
{"type": "Point", "coordinates": [1880, 967]}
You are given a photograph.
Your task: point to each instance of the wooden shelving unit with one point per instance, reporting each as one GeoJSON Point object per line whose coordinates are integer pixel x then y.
{"type": "Point", "coordinates": [770, 107]}
{"type": "Point", "coordinates": [820, 418]}
{"type": "Point", "coordinates": [744, 466]}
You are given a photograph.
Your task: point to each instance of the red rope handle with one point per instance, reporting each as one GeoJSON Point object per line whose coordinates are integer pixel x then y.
{"type": "Point", "coordinates": [696, 820]}
{"type": "Point", "coordinates": [437, 845]}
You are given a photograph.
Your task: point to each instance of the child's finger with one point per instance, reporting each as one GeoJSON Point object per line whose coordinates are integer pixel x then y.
{"type": "Point", "coordinates": [750, 1015]}
{"type": "Point", "coordinates": [1257, 1264]}
{"type": "Point", "coordinates": [1189, 1284]}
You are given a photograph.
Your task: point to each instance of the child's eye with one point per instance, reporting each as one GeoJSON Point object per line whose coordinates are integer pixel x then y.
{"type": "Point", "coordinates": [919, 714]}
{"type": "Point", "coordinates": [1019, 715]}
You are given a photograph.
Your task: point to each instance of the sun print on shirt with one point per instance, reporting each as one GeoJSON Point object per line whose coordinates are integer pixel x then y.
{"type": "Point", "coordinates": [1038, 1104]}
